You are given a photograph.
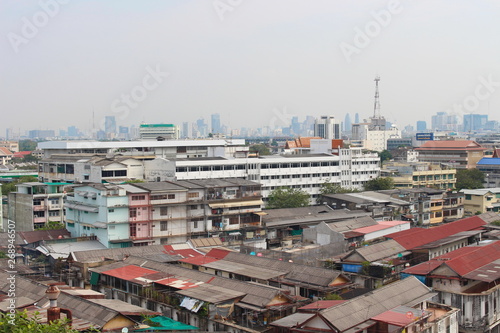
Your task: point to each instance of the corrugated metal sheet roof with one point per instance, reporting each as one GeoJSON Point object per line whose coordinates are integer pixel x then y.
{"type": "Point", "coordinates": [293, 320]}
{"type": "Point", "coordinates": [120, 253]}
{"type": "Point", "coordinates": [261, 273]}
{"type": "Point", "coordinates": [362, 308]}
{"type": "Point", "coordinates": [378, 251]}
{"type": "Point", "coordinates": [129, 272]}
{"type": "Point", "coordinates": [212, 294]}
{"type": "Point", "coordinates": [416, 237]}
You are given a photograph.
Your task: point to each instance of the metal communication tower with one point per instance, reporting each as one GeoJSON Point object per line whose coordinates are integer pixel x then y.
{"type": "Point", "coordinates": [376, 106]}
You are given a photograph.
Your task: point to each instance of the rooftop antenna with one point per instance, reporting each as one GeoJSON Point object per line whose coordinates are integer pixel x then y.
{"type": "Point", "coordinates": [376, 106]}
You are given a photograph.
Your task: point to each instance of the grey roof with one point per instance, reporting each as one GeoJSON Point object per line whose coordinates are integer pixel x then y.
{"type": "Point", "coordinates": [294, 272]}
{"type": "Point", "coordinates": [62, 250]}
{"type": "Point", "coordinates": [120, 253]}
{"type": "Point", "coordinates": [132, 189]}
{"type": "Point", "coordinates": [352, 224]}
{"type": "Point", "coordinates": [487, 273]}
{"type": "Point", "coordinates": [489, 217]}
{"type": "Point", "coordinates": [119, 306]}
{"type": "Point", "coordinates": [255, 294]}
{"type": "Point", "coordinates": [368, 197]}
{"type": "Point", "coordinates": [261, 273]}
{"type": "Point", "coordinates": [308, 215]}
{"type": "Point", "coordinates": [214, 182]}
{"type": "Point", "coordinates": [378, 251]}
{"type": "Point", "coordinates": [293, 320]}
{"type": "Point", "coordinates": [212, 294]}
{"type": "Point", "coordinates": [362, 308]}
{"type": "Point", "coordinates": [160, 187]}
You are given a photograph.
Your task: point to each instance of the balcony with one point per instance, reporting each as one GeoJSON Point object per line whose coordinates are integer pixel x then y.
{"type": "Point", "coordinates": [39, 219]}
{"type": "Point", "coordinates": [39, 208]}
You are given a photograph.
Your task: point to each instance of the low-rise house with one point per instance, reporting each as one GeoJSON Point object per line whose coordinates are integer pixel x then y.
{"type": "Point", "coordinates": [401, 306]}
{"type": "Point", "coordinates": [196, 298]}
{"type": "Point", "coordinates": [35, 205]}
{"type": "Point", "coordinates": [5, 156]}
{"type": "Point", "coordinates": [481, 200]}
{"type": "Point", "coordinates": [285, 226]}
{"type": "Point", "coordinates": [298, 280]}
{"type": "Point", "coordinates": [467, 278]}
{"type": "Point", "coordinates": [459, 154]}
{"type": "Point", "coordinates": [420, 174]}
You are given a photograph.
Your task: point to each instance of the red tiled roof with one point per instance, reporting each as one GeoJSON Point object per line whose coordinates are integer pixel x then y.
{"type": "Point", "coordinates": [396, 318]}
{"type": "Point", "coordinates": [200, 260]}
{"type": "Point", "coordinates": [21, 154]}
{"type": "Point", "coordinates": [5, 151]}
{"type": "Point", "coordinates": [129, 272]}
{"type": "Point", "coordinates": [218, 253]}
{"type": "Point", "coordinates": [380, 226]}
{"type": "Point", "coordinates": [416, 237]}
{"type": "Point", "coordinates": [451, 145]}
{"type": "Point", "coordinates": [462, 261]}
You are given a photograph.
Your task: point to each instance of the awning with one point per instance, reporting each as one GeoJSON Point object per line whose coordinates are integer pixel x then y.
{"type": "Point", "coordinates": [84, 208]}
{"type": "Point", "coordinates": [236, 204]}
{"type": "Point", "coordinates": [250, 307]}
{"type": "Point", "coordinates": [260, 213]}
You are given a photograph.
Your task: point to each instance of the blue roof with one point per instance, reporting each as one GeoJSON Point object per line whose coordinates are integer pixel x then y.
{"type": "Point", "coordinates": [489, 161]}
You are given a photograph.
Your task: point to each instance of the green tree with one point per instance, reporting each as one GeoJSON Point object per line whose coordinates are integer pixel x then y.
{"type": "Point", "coordinates": [27, 145]}
{"type": "Point", "coordinates": [469, 179]}
{"type": "Point", "coordinates": [260, 149]}
{"type": "Point", "coordinates": [333, 297]}
{"type": "Point", "coordinates": [385, 155]}
{"type": "Point", "coordinates": [380, 183]}
{"type": "Point", "coordinates": [133, 181]}
{"type": "Point", "coordinates": [19, 322]}
{"type": "Point", "coordinates": [10, 187]}
{"type": "Point", "coordinates": [285, 197]}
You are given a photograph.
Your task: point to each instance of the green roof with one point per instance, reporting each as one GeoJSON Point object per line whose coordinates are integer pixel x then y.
{"type": "Point", "coordinates": [167, 324]}
{"type": "Point", "coordinates": [157, 125]}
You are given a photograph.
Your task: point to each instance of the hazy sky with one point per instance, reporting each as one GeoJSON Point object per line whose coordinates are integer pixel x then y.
{"type": "Point", "coordinates": [256, 62]}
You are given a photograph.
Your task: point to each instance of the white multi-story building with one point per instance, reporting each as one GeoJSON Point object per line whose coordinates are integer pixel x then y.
{"type": "Point", "coordinates": [364, 135]}
{"type": "Point", "coordinates": [327, 127]}
{"type": "Point", "coordinates": [154, 131]}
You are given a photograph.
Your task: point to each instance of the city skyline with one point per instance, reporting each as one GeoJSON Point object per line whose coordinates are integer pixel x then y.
{"type": "Point", "coordinates": [256, 63]}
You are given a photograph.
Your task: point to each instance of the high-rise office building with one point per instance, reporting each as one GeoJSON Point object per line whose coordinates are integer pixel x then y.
{"type": "Point", "coordinates": [421, 126]}
{"type": "Point", "coordinates": [474, 122]}
{"type": "Point", "coordinates": [327, 127]}
{"type": "Point", "coordinates": [347, 123]}
{"type": "Point", "coordinates": [216, 128]}
{"type": "Point", "coordinates": [110, 125]}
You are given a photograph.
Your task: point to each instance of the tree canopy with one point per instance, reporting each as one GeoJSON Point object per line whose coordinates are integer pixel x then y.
{"type": "Point", "coordinates": [385, 155]}
{"type": "Point", "coordinates": [285, 197]}
{"type": "Point", "coordinates": [10, 187]}
{"type": "Point", "coordinates": [469, 179]}
{"type": "Point", "coordinates": [261, 149]}
{"type": "Point", "coordinates": [19, 322]}
{"type": "Point", "coordinates": [27, 145]}
{"type": "Point", "coordinates": [380, 183]}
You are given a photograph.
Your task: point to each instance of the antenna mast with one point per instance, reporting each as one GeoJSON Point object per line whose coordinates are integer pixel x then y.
{"type": "Point", "coordinates": [376, 106]}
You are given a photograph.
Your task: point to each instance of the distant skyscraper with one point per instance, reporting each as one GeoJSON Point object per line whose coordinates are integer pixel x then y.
{"type": "Point", "coordinates": [443, 121]}
{"type": "Point", "coordinates": [72, 131]}
{"type": "Point", "coordinates": [421, 126]}
{"type": "Point", "coordinates": [110, 125]}
{"type": "Point", "coordinates": [347, 123]}
{"type": "Point", "coordinates": [356, 118]}
{"type": "Point", "coordinates": [474, 122]}
{"type": "Point", "coordinates": [185, 130]}
{"type": "Point", "coordinates": [216, 128]}
{"type": "Point", "coordinates": [295, 126]}
{"type": "Point", "coordinates": [327, 127]}
{"type": "Point", "coordinates": [202, 127]}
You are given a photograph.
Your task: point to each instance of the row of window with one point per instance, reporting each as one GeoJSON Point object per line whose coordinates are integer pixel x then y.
{"type": "Point", "coordinates": [312, 175]}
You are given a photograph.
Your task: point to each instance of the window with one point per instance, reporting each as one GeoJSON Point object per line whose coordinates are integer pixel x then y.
{"type": "Point", "coordinates": [193, 195]}
{"type": "Point", "coordinates": [195, 225]}
{"type": "Point", "coordinates": [54, 213]}
{"type": "Point", "coordinates": [111, 210]}
{"type": "Point", "coordinates": [171, 196]}
{"type": "Point", "coordinates": [132, 212]}
{"type": "Point", "coordinates": [192, 207]}
{"type": "Point", "coordinates": [163, 225]}
{"type": "Point", "coordinates": [163, 211]}
{"type": "Point", "coordinates": [468, 197]}
{"type": "Point", "coordinates": [138, 197]}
